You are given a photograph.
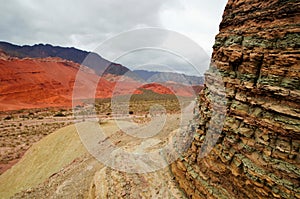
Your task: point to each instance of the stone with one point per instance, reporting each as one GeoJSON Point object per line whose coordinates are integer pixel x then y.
{"type": "Point", "coordinates": [256, 53]}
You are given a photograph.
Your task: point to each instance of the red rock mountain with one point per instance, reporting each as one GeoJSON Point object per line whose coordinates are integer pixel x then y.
{"type": "Point", "coordinates": [48, 82]}
{"type": "Point", "coordinates": [37, 83]}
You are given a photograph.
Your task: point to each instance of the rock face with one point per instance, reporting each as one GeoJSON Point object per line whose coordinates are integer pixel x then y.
{"type": "Point", "coordinates": [257, 151]}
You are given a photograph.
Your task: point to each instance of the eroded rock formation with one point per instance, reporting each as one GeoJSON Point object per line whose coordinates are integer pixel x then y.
{"type": "Point", "coordinates": [257, 151]}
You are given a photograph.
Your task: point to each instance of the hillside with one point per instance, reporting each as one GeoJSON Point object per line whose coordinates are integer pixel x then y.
{"type": "Point", "coordinates": [94, 61]}
{"type": "Point", "coordinates": [43, 160]}
{"type": "Point", "coordinates": [49, 82]}
{"type": "Point", "coordinates": [155, 76]}
{"type": "Point", "coordinates": [59, 166]}
{"type": "Point", "coordinates": [90, 59]}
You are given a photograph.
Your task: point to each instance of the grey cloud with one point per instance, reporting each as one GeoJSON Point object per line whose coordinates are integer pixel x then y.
{"type": "Point", "coordinates": [156, 60]}
{"type": "Point", "coordinates": [156, 46]}
{"type": "Point", "coordinates": [70, 21]}
{"type": "Point", "coordinates": [86, 24]}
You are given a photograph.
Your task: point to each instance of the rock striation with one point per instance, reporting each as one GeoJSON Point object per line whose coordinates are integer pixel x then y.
{"type": "Point", "coordinates": [256, 154]}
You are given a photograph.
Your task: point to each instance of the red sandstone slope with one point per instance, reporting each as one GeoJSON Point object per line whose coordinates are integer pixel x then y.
{"type": "Point", "coordinates": [171, 89]}
{"type": "Point", "coordinates": [36, 83]}
{"type": "Point", "coordinates": [48, 82]}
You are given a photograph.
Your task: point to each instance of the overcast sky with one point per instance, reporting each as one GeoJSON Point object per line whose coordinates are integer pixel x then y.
{"type": "Point", "coordinates": [86, 24]}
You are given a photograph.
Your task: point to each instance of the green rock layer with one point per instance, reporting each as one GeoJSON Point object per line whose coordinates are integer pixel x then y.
{"type": "Point", "coordinates": [255, 154]}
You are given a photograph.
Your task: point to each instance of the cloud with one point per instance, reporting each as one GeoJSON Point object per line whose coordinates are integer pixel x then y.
{"type": "Point", "coordinates": [77, 23]}
{"type": "Point", "coordinates": [198, 20]}
{"type": "Point", "coordinates": [166, 61]}
{"type": "Point", "coordinates": [86, 24]}
{"type": "Point", "coordinates": [156, 47]}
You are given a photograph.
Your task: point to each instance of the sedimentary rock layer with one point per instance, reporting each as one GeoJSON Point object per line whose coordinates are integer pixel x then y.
{"type": "Point", "coordinates": [256, 154]}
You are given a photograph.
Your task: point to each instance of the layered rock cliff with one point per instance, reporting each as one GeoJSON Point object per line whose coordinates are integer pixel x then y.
{"type": "Point", "coordinates": [256, 154]}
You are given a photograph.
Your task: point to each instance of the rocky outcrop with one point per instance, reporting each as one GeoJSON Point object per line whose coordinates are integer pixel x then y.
{"type": "Point", "coordinates": [109, 183]}
{"type": "Point", "coordinates": [256, 154]}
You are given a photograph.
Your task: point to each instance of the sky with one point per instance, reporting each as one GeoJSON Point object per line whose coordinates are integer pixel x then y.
{"type": "Point", "coordinates": [87, 25]}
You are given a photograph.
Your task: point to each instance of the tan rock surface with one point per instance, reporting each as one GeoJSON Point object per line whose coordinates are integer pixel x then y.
{"type": "Point", "coordinates": [257, 151]}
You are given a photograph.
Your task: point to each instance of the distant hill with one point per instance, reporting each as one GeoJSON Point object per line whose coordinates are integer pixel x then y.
{"type": "Point", "coordinates": [48, 82]}
{"type": "Point", "coordinates": [94, 61]}
{"type": "Point", "coordinates": [43, 76]}
{"type": "Point", "coordinates": [45, 82]}
{"type": "Point", "coordinates": [155, 76]}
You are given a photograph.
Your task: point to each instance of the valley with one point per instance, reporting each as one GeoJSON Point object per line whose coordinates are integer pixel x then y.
{"type": "Point", "coordinates": [76, 124]}
{"type": "Point", "coordinates": [20, 129]}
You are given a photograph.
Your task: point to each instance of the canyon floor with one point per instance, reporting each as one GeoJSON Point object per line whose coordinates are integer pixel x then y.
{"type": "Point", "coordinates": [48, 158]}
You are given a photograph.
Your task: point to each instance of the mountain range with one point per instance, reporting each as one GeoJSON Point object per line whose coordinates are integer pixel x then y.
{"type": "Point", "coordinates": [94, 61]}
{"type": "Point", "coordinates": [43, 76]}
{"type": "Point", "coordinates": [156, 76]}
